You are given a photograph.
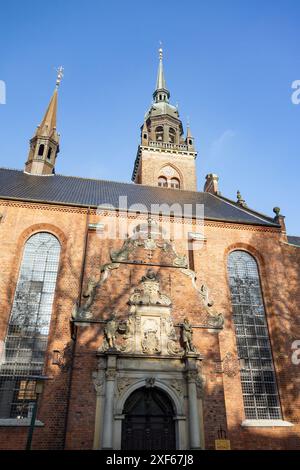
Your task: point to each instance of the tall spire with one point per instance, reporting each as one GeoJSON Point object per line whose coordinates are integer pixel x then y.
{"type": "Point", "coordinates": [160, 82]}
{"type": "Point", "coordinates": [161, 92]}
{"type": "Point", "coordinates": [44, 146]}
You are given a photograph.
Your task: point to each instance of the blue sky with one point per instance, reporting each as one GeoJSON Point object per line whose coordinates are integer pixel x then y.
{"type": "Point", "coordinates": [229, 65]}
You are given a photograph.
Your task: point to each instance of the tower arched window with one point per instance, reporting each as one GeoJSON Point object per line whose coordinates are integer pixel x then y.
{"type": "Point", "coordinates": [175, 183]}
{"type": "Point", "coordinates": [172, 135]}
{"type": "Point", "coordinates": [41, 150]}
{"type": "Point", "coordinates": [159, 134]}
{"type": "Point", "coordinates": [261, 400]}
{"type": "Point", "coordinates": [49, 153]}
{"type": "Point", "coordinates": [163, 182]}
{"type": "Point", "coordinates": [28, 328]}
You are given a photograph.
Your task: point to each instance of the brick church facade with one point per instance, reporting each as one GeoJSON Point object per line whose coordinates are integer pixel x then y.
{"type": "Point", "coordinates": [155, 316]}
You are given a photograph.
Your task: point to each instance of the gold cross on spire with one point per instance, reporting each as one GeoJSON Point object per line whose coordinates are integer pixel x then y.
{"type": "Point", "coordinates": [60, 74]}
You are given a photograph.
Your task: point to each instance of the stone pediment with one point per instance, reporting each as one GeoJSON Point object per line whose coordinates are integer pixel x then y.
{"type": "Point", "coordinates": [147, 246]}
{"type": "Point", "coordinates": [148, 243]}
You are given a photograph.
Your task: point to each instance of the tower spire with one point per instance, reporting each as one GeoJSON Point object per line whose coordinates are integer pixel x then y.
{"type": "Point", "coordinates": [44, 146]}
{"type": "Point", "coordinates": [161, 92]}
{"type": "Point", "coordinates": [165, 157]}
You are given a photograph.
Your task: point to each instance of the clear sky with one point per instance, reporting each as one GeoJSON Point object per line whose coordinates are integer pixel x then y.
{"type": "Point", "coordinates": [229, 65]}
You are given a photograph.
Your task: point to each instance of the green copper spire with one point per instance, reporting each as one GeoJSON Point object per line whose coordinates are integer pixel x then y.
{"type": "Point", "coordinates": [161, 92]}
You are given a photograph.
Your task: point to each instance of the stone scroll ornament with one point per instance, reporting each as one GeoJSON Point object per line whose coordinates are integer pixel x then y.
{"type": "Point", "coordinates": [82, 312]}
{"type": "Point", "coordinates": [212, 318]}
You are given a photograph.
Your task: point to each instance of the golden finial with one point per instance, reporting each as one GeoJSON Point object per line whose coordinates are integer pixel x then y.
{"type": "Point", "coordinates": [160, 50]}
{"type": "Point", "coordinates": [60, 74]}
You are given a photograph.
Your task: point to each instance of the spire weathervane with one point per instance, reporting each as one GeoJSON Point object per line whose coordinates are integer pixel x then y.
{"type": "Point", "coordinates": [60, 74]}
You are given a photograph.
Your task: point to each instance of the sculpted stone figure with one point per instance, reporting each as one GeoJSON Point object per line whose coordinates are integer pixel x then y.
{"type": "Point", "coordinates": [187, 336]}
{"type": "Point", "coordinates": [110, 331]}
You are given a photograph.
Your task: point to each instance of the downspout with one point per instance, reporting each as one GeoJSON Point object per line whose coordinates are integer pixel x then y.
{"type": "Point", "coordinates": [73, 328]}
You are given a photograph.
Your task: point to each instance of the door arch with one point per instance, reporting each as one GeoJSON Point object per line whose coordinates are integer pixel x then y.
{"type": "Point", "coordinates": [148, 422]}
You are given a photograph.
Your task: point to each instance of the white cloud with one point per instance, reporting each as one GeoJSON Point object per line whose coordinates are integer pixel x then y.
{"type": "Point", "coordinates": [219, 144]}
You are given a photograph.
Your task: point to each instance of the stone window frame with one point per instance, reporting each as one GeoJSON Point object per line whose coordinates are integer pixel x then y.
{"type": "Point", "coordinates": [18, 371]}
{"type": "Point", "coordinates": [256, 369]}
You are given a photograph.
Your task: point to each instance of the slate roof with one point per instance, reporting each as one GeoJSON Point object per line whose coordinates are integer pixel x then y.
{"type": "Point", "coordinates": [294, 240]}
{"type": "Point", "coordinates": [59, 189]}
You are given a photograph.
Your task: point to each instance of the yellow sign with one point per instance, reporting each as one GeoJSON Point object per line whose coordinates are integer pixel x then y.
{"type": "Point", "coordinates": [222, 444]}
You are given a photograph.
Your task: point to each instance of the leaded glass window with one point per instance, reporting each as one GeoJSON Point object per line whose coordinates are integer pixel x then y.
{"type": "Point", "coordinates": [258, 378]}
{"type": "Point", "coordinates": [27, 334]}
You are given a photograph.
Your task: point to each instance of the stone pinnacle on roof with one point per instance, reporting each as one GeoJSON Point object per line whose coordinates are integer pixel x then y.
{"type": "Point", "coordinates": [188, 129]}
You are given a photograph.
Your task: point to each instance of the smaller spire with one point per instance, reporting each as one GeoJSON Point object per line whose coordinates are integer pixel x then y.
{"type": "Point", "coordinates": [189, 140]}
{"type": "Point", "coordinates": [48, 124]}
{"type": "Point", "coordinates": [144, 134]}
{"type": "Point", "coordinates": [188, 129]}
{"type": "Point", "coordinates": [44, 146]}
{"type": "Point", "coordinates": [47, 128]}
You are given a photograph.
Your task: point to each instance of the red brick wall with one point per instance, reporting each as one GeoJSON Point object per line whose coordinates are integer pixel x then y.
{"type": "Point", "coordinates": [223, 405]}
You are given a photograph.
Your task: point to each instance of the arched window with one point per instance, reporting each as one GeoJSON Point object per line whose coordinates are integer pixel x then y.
{"type": "Point", "coordinates": [172, 135]}
{"type": "Point", "coordinates": [259, 387]}
{"type": "Point", "coordinates": [41, 150]}
{"type": "Point", "coordinates": [175, 183]}
{"type": "Point", "coordinates": [27, 335]}
{"type": "Point", "coordinates": [159, 134]}
{"type": "Point", "coordinates": [49, 153]}
{"type": "Point", "coordinates": [162, 181]}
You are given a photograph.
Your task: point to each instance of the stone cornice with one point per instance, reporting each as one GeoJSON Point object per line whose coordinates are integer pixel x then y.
{"type": "Point", "coordinates": [73, 208]}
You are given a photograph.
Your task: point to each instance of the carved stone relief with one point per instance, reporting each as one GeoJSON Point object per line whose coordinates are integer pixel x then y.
{"type": "Point", "coordinates": [178, 386]}
{"type": "Point", "coordinates": [150, 237]}
{"type": "Point", "coordinates": [122, 384]}
{"type": "Point", "coordinates": [149, 328]}
{"type": "Point", "coordinates": [231, 365]}
{"type": "Point", "coordinates": [99, 382]}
